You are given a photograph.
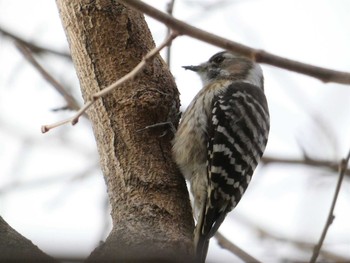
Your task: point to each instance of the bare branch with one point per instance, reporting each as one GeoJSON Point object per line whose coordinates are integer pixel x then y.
{"type": "Point", "coordinates": [149, 56]}
{"type": "Point", "coordinates": [333, 166]}
{"type": "Point", "coordinates": [227, 244]}
{"type": "Point", "coordinates": [169, 10]}
{"type": "Point", "coordinates": [26, 52]}
{"type": "Point", "coordinates": [16, 248]}
{"type": "Point", "coordinates": [323, 74]}
{"type": "Point", "coordinates": [301, 244]}
{"type": "Point", "coordinates": [73, 120]}
{"type": "Point", "coordinates": [33, 47]}
{"type": "Point", "coordinates": [342, 168]}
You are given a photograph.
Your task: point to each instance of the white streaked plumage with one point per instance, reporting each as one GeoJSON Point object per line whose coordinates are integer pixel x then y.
{"type": "Point", "coordinates": [220, 139]}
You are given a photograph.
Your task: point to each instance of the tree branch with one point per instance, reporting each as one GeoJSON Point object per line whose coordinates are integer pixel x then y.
{"type": "Point", "coordinates": [150, 55]}
{"type": "Point", "coordinates": [169, 10]}
{"type": "Point", "coordinates": [26, 52]}
{"type": "Point", "coordinates": [227, 244]}
{"type": "Point", "coordinates": [323, 74]}
{"type": "Point", "coordinates": [33, 47]}
{"type": "Point", "coordinates": [333, 166]}
{"type": "Point", "coordinates": [342, 167]}
{"type": "Point", "coordinates": [301, 244]}
{"type": "Point", "coordinates": [16, 248]}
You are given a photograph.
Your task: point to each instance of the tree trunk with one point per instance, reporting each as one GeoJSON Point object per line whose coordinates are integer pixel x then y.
{"type": "Point", "coordinates": [16, 248]}
{"type": "Point", "coordinates": [151, 212]}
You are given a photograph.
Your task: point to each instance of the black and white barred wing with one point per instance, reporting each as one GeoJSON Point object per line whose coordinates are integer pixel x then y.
{"type": "Point", "coordinates": [238, 130]}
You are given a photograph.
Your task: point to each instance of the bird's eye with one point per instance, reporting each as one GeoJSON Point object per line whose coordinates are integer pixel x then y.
{"type": "Point", "coordinates": [218, 59]}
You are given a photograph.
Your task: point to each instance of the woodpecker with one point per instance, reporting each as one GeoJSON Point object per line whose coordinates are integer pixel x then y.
{"type": "Point", "coordinates": [221, 138]}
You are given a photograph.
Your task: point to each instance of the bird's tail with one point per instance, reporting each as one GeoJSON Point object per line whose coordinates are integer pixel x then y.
{"type": "Point", "coordinates": [202, 249]}
{"type": "Point", "coordinates": [208, 223]}
{"type": "Point", "coordinates": [201, 241]}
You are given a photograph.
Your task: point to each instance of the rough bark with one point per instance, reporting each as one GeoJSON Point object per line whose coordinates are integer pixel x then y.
{"type": "Point", "coordinates": [151, 213]}
{"type": "Point", "coordinates": [16, 248]}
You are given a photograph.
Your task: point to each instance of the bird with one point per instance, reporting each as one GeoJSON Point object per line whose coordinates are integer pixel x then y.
{"type": "Point", "coordinates": [221, 138]}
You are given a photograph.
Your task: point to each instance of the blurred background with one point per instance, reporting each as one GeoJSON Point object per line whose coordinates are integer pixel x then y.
{"type": "Point", "coordinates": [52, 190]}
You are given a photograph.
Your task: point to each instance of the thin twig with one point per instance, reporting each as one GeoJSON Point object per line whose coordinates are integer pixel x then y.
{"type": "Point", "coordinates": [149, 56]}
{"type": "Point", "coordinates": [342, 167]}
{"type": "Point", "coordinates": [26, 52]}
{"type": "Point", "coordinates": [33, 47]}
{"type": "Point", "coordinates": [227, 244]}
{"type": "Point", "coordinates": [323, 74]}
{"type": "Point", "coordinates": [264, 233]}
{"type": "Point", "coordinates": [333, 166]}
{"type": "Point", "coordinates": [300, 244]}
{"type": "Point", "coordinates": [73, 120]}
{"type": "Point", "coordinates": [169, 10]}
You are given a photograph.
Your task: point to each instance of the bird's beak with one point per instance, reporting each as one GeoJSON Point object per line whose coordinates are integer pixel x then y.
{"type": "Point", "coordinates": [193, 68]}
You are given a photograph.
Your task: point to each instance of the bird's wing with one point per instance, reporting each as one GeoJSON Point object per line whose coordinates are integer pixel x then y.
{"type": "Point", "coordinates": [237, 138]}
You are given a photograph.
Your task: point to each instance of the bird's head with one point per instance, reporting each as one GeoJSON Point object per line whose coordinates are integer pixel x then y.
{"type": "Point", "coordinates": [229, 66]}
